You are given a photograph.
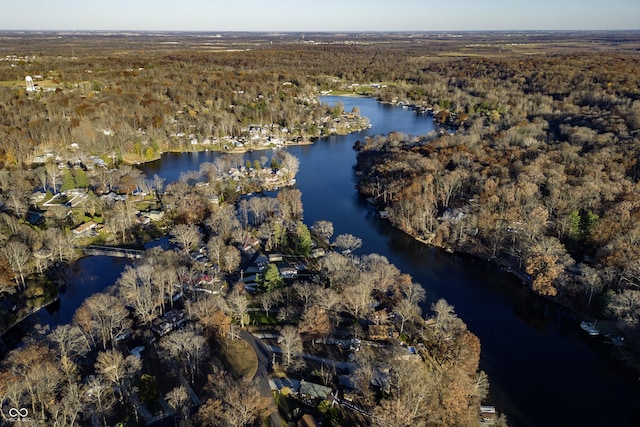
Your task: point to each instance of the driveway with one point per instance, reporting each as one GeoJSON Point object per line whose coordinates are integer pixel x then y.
{"type": "Point", "coordinates": [264, 364]}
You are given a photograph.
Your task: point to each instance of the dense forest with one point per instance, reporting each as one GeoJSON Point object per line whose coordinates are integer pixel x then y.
{"type": "Point", "coordinates": [534, 167]}
{"type": "Point", "coordinates": [541, 174]}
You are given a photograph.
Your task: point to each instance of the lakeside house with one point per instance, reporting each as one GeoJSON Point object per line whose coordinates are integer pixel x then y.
{"type": "Point", "coordinates": [84, 228]}
{"type": "Point", "coordinates": [381, 332]}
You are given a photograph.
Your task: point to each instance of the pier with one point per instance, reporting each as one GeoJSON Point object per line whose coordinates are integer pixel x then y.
{"type": "Point", "coordinates": [113, 251]}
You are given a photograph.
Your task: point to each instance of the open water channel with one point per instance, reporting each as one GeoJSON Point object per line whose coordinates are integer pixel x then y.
{"type": "Point", "coordinates": [543, 369]}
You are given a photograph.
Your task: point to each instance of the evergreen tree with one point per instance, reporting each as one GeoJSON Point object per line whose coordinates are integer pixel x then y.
{"type": "Point", "coordinates": [81, 178]}
{"type": "Point", "coordinates": [270, 278]}
{"type": "Point", "coordinates": [304, 242]}
{"type": "Point", "coordinates": [68, 182]}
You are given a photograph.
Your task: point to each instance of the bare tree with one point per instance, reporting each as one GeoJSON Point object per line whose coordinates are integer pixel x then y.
{"type": "Point", "coordinates": [230, 259]}
{"type": "Point", "coordinates": [315, 322]}
{"type": "Point", "coordinates": [35, 367]}
{"type": "Point", "coordinates": [379, 270]}
{"type": "Point", "coordinates": [234, 403]}
{"type": "Point", "coordinates": [411, 389]}
{"type": "Point", "coordinates": [120, 218]}
{"type": "Point", "coordinates": [444, 314]}
{"type": "Point", "coordinates": [60, 244]}
{"type": "Point", "coordinates": [136, 288]}
{"type": "Point", "coordinates": [54, 173]}
{"type": "Point", "coordinates": [41, 174]}
{"type": "Point", "coordinates": [306, 292]}
{"type": "Point", "coordinates": [258, 206]}
{"type": "Point", "coordinates": [290, 342]}
{"type": "Point", "coordinates": [179, 399]}
{"type": "Point", "coordinates": [327, 298]}
{"type": "Point", "coordinates": [223, 220]}
{"type": "Point", "coordinates": [407, 311]}
{"type": "Point", "coordinates": [592, 280]}
{"type": "Point", "coordinates": [19, 257]}
{"type": "Point", "coordinates": [290, 204]}
{"type": "Point", "coordinates": [67, 409]}
{"type": "Point", "coordinates": [357, 296]}
{"type": "Point", "coordinates": [69, 341]}
{"type": "Point", "coordinates": [415, 293]}
{"type": "Point", "coordinates": [238, 305]}
{"type": "Point", "coordinates": [99, 393]}
{"type": "Point", "coordinates": [215, 248]}
{"type": "Point", "coordinates": [289, 164]}
{"type": "Point", "coordinates": [187, 348]}
{"type": "Point", "coordinates": [186, 235]}
{"type": "Point", "coordinates": [117, 369]}
{"type": "Point", "coordinates": [348, 243]}
{"type": "Point", "coordinates": [323, 229]}
{"type": "Point", "coordinates": [268, 300]}
{"type": "Point", "coordinates": [102, 316]}
{"type": "Point", "coordinates": [626, 307]}
{"type": "Point", "coordinates": [8, 284]}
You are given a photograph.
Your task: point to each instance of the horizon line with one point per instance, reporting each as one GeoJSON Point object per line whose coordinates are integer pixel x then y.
{"type": "Point", "coordinates": [324, 31]}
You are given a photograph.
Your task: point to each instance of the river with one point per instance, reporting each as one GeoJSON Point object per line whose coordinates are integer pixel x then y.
{"type": "Point", "coordinates": [544, 371]}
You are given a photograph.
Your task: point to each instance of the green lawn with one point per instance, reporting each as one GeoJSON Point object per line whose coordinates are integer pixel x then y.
{"type": "Point", "coordinates": [259, 318]}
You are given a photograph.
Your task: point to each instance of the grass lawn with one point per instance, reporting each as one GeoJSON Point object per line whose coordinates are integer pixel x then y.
{"type": "Point", "coordinates": [239, 358]}
{"type": "Point", "coordinates": [259, 318]}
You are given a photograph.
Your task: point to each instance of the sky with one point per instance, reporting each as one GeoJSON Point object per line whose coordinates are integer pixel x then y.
{"type": "Point", "coordinates": [320, 15]}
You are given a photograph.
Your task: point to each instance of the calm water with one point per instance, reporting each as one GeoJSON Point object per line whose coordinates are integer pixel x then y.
{"type": "Point", "coordinates": [543, 370]}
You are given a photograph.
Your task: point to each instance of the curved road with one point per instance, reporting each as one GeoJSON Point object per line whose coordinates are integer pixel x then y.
{"type": "Point", "coordinates": [264, 363]}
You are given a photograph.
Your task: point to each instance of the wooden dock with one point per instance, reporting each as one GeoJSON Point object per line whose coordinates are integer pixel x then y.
{"type": "Point", "coordinates": [112, 251]}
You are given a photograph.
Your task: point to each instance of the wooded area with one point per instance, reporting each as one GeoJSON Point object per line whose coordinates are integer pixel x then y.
{"type": "Point", "coordinates": [535, 167]}
{"type": "Point", "coordinates": [540, 176]}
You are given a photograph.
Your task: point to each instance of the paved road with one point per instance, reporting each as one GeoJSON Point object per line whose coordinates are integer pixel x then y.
{"type": "Point", "coordinates": [264, 364]}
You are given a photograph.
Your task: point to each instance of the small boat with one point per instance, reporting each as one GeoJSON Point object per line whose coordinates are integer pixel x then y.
{"type": "Point", "coordinates": [618, 341]}
{"type": "Point", "coordinates": [590, 328]}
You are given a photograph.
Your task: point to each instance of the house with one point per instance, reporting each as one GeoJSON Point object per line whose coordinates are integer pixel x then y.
{"type": "Point", "coordinates": [261, 260]}
{"type": "Point", "coordinates": [314, 391]}
{"type": "Point", "coordinates": [253, 269]}
{"type": "Point", "coordinates": [175, 317]}
{"type": "Point", "coordinates": [84, 228]}
{"type": "Point", "coordinates": [380, 315]}
{"type": "Point", "coordinates": [278, 384]}
{"type": "Point", "coordinates": [155, 215]}
{"type": "Point", "coordinates": [275, 257]}
{"type": "Point", "coordinates": [487, 414]}
{"type": "Point", "coordinates": [250, 243]}
{"type": "Point", "coordinates": [380, 332]}
{"type": "Point", "coordinates": [249, 278]}
{"type": "Point", "coordinates": [162, 328]}
{"type": "Point", "coordinates": [38, 196]}
{"type": "Point", "coordinates": [289, 272]}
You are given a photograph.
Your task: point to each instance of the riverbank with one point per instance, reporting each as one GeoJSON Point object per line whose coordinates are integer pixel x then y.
{"type": "Point", "coordinates": [261, 138]}
{"type": "Point", "coordinates": [623, 354]}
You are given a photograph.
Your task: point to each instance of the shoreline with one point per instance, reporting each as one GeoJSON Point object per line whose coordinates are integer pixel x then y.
{"type": "Point", "coordinates": [624, 355]}
{"type": "Point", "coordinates": [26, 316]}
